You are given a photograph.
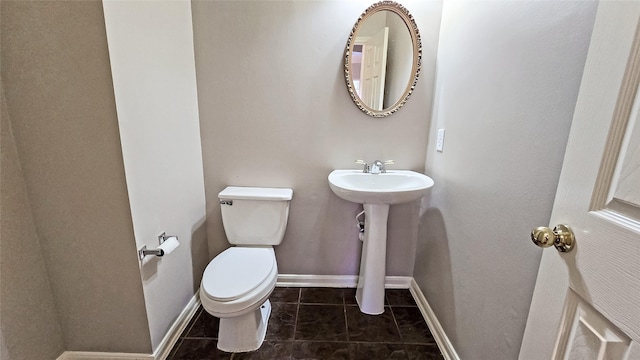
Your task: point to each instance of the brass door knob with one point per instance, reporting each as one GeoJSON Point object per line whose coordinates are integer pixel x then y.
{"type": "Point", "coordinates": [561, 237]}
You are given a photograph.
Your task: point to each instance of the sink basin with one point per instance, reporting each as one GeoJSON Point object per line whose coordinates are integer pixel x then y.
{"type": "Point", "coordinates": [392, 187]}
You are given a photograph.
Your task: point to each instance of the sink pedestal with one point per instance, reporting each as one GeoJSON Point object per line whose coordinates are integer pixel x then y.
{"type": "Point", "coordinates": [370, 292]}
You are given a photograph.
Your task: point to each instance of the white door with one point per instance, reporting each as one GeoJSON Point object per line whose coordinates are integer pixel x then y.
{"type": "Point", "coordinates": [374, 69]}
{"type": "Point", "coordinates": [586, 303]}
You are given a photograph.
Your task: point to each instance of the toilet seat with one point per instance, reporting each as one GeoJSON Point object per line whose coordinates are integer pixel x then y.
{"type": "Point", "coordinates": [236, 272]}
{"type": "Point", "coordinates": [237, 304]}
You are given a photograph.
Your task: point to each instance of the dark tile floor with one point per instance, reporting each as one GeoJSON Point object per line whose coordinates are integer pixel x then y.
{"type": "Point", "coordinates": [322, 323]}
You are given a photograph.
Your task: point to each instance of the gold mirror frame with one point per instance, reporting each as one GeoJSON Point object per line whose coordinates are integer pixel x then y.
{"type": "Point", "coordinates": [417, 56]}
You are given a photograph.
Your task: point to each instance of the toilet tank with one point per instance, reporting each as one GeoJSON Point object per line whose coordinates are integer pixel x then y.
{"type": "Point", "coordinates": [255, 215]}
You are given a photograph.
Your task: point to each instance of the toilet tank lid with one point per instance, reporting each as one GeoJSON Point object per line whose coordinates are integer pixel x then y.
{"type": "Point", "coordinates": [255, 193]}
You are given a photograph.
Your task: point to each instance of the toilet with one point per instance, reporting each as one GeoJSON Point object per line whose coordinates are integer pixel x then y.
{"type": "Point", "coordinates": [237, 283]}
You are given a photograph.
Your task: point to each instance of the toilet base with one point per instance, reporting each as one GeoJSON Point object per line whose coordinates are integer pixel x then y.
{"type": "Point", "coordinates": [246, 332]}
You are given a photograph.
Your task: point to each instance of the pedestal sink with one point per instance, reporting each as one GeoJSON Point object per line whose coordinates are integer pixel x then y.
{"type": "Point", "coordinates": [376, 192]}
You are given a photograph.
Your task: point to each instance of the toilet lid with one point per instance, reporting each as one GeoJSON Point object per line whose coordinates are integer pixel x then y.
{"type": "Point", "coordinates": [236, 271]}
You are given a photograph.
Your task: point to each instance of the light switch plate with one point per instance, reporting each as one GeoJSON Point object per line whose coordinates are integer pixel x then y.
{"type": "Point", "coordinates": [440, 140]}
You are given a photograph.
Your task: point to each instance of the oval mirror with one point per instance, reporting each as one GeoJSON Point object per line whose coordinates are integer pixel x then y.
{"type": "Point", "coordinates": [382, 58]}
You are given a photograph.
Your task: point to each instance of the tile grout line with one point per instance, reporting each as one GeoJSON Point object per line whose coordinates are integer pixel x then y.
{"type": "Point", "coordinates": [395, 321]}
{"type": "Point", "coordinates": [346, 321]}
{"type": "Point", "coordinates": [295, 322]}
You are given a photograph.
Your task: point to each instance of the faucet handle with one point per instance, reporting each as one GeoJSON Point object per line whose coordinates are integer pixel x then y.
{"type": "Point", "coordinates": [365, 169]}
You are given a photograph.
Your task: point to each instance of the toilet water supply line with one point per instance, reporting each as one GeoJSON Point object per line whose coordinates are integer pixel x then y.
{"type": "Point", "coordinates": [360, 225]}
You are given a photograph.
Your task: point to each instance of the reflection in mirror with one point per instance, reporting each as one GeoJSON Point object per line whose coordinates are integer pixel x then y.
{"type": "Point", "coordinates": [382, 59]}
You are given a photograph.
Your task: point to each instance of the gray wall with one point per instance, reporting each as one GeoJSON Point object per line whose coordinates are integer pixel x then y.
{"type": "Point", "coordinates": [59, 97]}
{"type": "Point", "coordinates": [29, 327]}
{"type": "Point", "coordinates": [274, 111]}
{"type": "Point", "coordinates": [508, 78]}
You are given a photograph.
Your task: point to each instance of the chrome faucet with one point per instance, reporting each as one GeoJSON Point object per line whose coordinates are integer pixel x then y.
{"type": "Point", "coordinates": [377, 167]}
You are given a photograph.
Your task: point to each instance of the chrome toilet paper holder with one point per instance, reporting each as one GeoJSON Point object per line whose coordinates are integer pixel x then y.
{"type": "Point", "coordinates": [157, 252]}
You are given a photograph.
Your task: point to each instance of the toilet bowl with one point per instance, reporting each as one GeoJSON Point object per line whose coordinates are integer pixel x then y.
{"type": "Point", "coordinates": [237, 283]}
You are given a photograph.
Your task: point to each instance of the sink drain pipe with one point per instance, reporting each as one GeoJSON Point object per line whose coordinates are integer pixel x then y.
{"type": "Point", "coordinates": [360, 225]}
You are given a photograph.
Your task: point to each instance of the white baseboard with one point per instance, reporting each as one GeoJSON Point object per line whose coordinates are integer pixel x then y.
{"type": "Point", "coordinates": [437, 331]}
{"type": "Point", "coordinates": [86, 355]}
{"type": "Point", "coordinates": [161, 353]}
{"type": "Point", "coordinates": [172, 336]}
{"type": "Point", "coordinates": [337, 281]}
{"type": "Point", "coordinates": [397, 282]}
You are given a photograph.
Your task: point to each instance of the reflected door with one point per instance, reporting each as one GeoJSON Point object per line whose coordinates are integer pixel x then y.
{"type": "Point", "coordinates": [374, 67]}
{"type": "Point", "coordinates": [586, 303]}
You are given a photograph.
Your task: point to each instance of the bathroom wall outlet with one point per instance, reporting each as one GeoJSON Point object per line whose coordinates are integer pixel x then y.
{"type": "Point", "coordinates": [440, 140]}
